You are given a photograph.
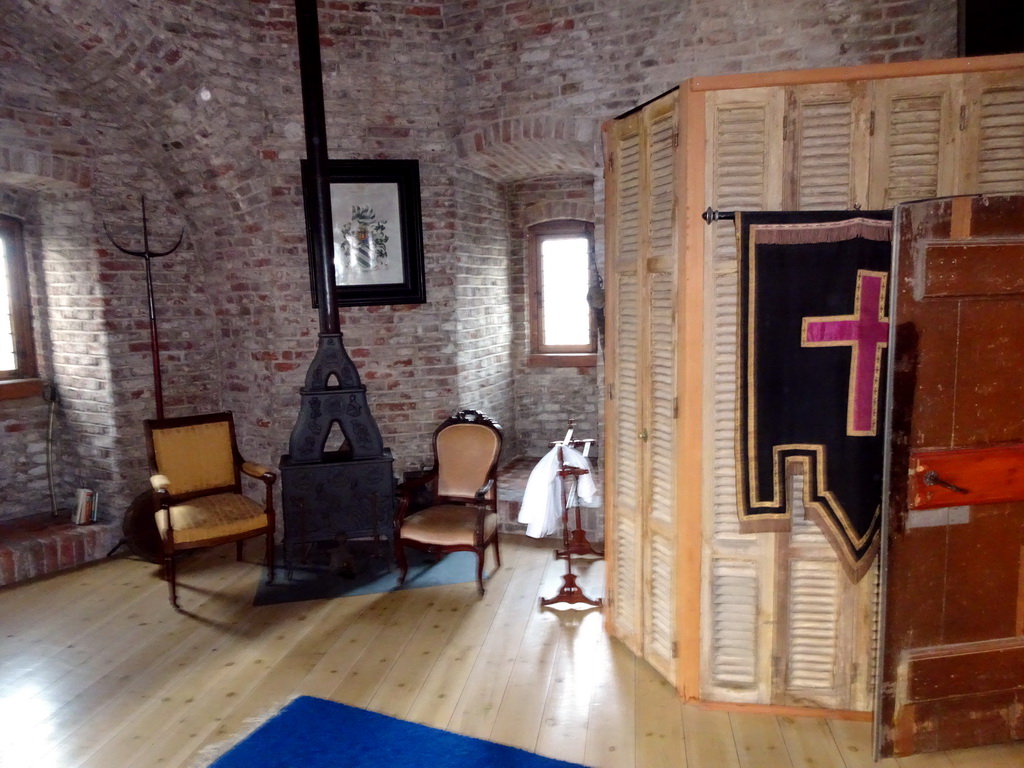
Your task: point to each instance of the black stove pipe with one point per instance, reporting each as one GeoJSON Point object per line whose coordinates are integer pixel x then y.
{"type": "Point", "coordinates": [317, 186]}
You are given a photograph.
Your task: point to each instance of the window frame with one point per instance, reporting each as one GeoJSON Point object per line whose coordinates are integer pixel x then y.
{"type": "Point", "coordinates": [551, 355]}
{"type": "Point", "coordinates": [11, 230]}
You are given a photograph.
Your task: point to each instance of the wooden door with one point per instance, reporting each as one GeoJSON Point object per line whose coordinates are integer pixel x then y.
{"type": "Point", "coordinates": [953, 556]}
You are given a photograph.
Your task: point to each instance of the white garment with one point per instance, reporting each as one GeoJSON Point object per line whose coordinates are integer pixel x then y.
{"type": "Point", "coordinates": [541, 509]}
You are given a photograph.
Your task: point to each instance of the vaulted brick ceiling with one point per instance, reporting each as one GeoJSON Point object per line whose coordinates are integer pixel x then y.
{"type": "Point", "coordinates": [146, 69]}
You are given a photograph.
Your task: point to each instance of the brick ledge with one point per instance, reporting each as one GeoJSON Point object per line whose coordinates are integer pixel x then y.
{"type": "Point", "coordinates": [39, 545]}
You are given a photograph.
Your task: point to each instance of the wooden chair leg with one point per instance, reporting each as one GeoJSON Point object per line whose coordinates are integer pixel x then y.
{"type": "Point", "coordinates": [480, 571]}
{"type": "Point", "coordinates": [497, 552]}
{"type": "Point", "coordinates": [403, 564]}
{"type": "Point", "coordinates": [171, 576]}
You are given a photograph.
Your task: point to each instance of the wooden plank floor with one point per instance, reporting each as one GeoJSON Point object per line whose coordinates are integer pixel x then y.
{"type": "Point", "coordinates": [97, 671]}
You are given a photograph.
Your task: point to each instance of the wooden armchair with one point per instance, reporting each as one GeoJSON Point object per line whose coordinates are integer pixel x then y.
{"type": "Point", "coordinates": [463, 489]}
{"type": "Point", "coordinates": [197, 476]}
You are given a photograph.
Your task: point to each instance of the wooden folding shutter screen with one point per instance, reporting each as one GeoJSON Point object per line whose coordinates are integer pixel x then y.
{"type": "Point", "coordinates": [640, 407]}
{"type": "Point", "coordinates": [781, 623]}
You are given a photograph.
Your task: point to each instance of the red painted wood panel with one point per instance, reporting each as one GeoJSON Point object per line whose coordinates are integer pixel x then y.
{"type": "Point", "coordinates": [983, 573]}
{"type": "Point", "coordinates": [989, 475]}
{"type": "Point", "coordinates": [974, 269]}
{"type": "Point", "coordinates": [966, 670]}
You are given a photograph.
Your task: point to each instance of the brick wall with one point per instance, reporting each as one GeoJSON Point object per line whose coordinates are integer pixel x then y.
{"type": "Point", "coordinates": [24, 487]}
{"type": "Point", "coordinates": [386, 96]}
{"type": "Point", "coordinates": [547, 397]}
{"type": "Point", "coordinates": [83, 158]}
{"type": "Point", "coordinates": [483, 330]}
{"type": "Point", "coordinates": [596, 59]}
{"type": "Point", "coordinates": [196, 104]}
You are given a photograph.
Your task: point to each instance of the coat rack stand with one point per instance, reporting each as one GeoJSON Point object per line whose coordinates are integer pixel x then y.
{"type": "Point", "coordinates": [139, 525]}
{"type": "Point", "coordinates": [574, 542]}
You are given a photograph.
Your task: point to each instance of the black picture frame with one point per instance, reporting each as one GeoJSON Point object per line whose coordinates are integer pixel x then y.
{"type": "Point", "coordinates": [378, 259]}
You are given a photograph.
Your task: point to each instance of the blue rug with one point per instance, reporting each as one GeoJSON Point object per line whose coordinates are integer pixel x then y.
{"type": "Point", "coordinates": [372, 574]}
{"type": "Point", "coordinates": [314, 733]}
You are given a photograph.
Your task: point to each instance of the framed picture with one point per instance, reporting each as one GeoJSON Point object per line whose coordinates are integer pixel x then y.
{"type": "Point", "coordinates": [377, 231]}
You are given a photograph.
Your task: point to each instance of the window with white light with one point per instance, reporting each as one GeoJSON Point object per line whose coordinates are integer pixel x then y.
{"type": "Point", "coordinates": [17, 356]}
{"type": "Point", "coordinates": [561, 324]}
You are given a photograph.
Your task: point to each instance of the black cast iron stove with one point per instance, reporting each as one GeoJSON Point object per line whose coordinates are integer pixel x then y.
{"type": "Point", "coordinates": [329, 496]}
{"type": "Point", "coordinates": [332, 496]}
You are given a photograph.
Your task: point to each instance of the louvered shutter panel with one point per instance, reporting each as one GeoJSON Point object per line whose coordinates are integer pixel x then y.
{"type": "Point", "coordinates": [744, 131]}
{"type": "Point", "coordinates": [626, 202]}
{"type": "Point", "coordinates": [663, 394]}
{"type": "Point", "coordinates": [624, 540]}
{"type": "Point", "coordinates": [811, 661]}
{"type": "Point", "coordinates": [867, 640]}
{"type": "Point", "coordinates": [1001, 150]}
{"type": "Point", "coordinates": [828, 625]}
{"type": "Point", "coordinates": [744, 172]}
{"type": "Point", "coordinates": [731, 627]}
{"type": "Point", "coordinates": [661, 184]}
{"type": "Point", "coordinates": [827, 146]}
{"type": "Point", "coordinates": [627, 599]}
{"type": "Point", "coordinates": [660, 352]}
{"type": "Point", "coordinates": [782, 623]}
{"type": "Point", "coordinates": [661, 559]}
{"type": "Point", "coordinates": [914, 129]}
{"type": "Point", "coordinates": [660, 618]}
{"type": "Point", "coordinates": [813, 630]}
{"type": "Point", "coordinates": [994, 151]}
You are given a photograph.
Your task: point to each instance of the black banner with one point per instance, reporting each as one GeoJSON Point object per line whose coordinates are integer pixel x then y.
{"type": "Point", "coordinates": [813, 343]}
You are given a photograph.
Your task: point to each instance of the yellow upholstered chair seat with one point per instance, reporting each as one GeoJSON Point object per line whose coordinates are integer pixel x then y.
{"type": "Point", "coordinates": [447, 525]}
{"type": "Point", "coordinates": [223, 515]}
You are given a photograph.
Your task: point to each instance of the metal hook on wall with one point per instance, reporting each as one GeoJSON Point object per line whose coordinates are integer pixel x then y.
{"type": "Point", "coordinates": [154, 337]}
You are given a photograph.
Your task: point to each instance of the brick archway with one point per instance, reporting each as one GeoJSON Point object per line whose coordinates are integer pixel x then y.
{"type": "Point", "coordinates": [522, 147]}
{"type": "Point", "coordinates": [552, 210]}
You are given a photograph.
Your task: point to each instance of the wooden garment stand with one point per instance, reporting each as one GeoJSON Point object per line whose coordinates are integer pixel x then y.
{"type": "Point", "coordinates": [574, 543]}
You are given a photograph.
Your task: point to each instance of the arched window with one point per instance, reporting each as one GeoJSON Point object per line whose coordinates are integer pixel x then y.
{"type": "Point", "coordinates": [17, 353]}
{"type": "Point", "coordinates": [562, 329]}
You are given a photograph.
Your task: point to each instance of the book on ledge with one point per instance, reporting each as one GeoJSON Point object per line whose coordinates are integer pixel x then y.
{"type": "Point", "coordinates": [85, 507]}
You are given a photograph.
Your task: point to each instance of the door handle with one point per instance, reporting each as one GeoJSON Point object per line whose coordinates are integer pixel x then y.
{"type": "Point", "coordinates": [932, 478]}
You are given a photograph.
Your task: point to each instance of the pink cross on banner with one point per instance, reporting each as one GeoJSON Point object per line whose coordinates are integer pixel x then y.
{"type": "Point", "coordinates": [866, 332]}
